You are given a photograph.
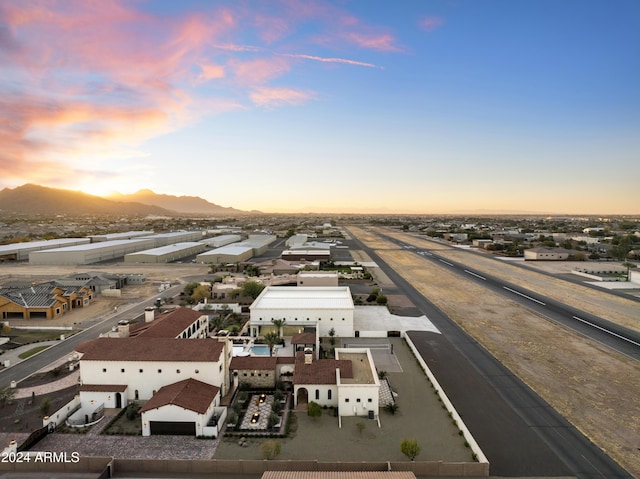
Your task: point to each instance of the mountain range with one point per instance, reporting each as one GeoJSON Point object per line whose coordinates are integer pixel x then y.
{"type": "Point", "coordinates": [42, 200]}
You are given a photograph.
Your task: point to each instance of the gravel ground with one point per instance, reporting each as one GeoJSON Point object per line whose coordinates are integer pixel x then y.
{"type": "Point", "coordinates": [591, 385]}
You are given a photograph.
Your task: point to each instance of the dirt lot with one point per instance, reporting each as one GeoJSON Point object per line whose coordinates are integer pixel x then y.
{"type": "Point", "coordinates": [593, 387]}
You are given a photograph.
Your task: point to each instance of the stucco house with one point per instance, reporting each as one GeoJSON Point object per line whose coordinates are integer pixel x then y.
{"type": "Point", "coordinates": [169, 355]}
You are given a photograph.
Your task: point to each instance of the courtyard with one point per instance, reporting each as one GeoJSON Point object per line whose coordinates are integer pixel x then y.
{"type": "Point", "coordinates": [420, 415]}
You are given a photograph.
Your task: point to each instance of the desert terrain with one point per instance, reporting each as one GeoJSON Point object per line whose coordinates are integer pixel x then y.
{"type": "Point", "coordinates": [595, 388]}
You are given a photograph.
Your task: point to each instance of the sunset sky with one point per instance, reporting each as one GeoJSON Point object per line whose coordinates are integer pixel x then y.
{"type": "Point", "coordinates": [420, 106]}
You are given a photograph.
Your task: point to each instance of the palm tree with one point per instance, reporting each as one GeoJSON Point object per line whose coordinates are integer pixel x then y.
{"type": "Point", "coordinates": [279, 323]}
{"type": "Point", "coordinates": [272, 338]}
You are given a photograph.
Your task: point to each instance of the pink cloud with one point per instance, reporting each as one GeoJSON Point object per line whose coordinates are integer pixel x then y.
{"type": "Point", "coordinates": [272, 97]}
{"type": "Point", "coordinates": [431, 24]}
{"type": "Point", "coordinates": [383, 42]}
{"type": "Point", "coordinates": [259, 70]}
{"type": "Point", "coordinates": [100, 78]}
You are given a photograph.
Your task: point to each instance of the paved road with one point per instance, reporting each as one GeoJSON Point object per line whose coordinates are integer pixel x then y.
{"type": "Point", "coordinates": [518, 431]}
{"type": "Point", "coordinates": [615, 336]}
{"type": "Point", "coordinates": [29, 366]}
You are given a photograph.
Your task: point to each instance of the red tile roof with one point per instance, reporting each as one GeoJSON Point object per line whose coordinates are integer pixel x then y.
{"type": "Point", "coordinates": [151, 349]}
{"type": "Point", "coordinates": [253, 362]}
{"type": "Point", "coordinates": [320, 371]}
{"type": "Point", "coordinates": [189, 394]}
{"type": "Point", "coordinates": [171, 324]}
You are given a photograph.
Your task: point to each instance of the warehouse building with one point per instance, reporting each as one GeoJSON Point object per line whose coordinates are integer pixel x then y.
{"type": "Point", "coordinates": [165, 254]}
{"type": "Point", "coordinates": [164, 239]}
{"type": "Point", "coordinates": [90, 253]}
{"type": "Point", "coordinates": [119, 236]}
{"type": "Point", "coordinates": [231, 253]}
{"type": "Point", "coordinates": [222, 240]}
{"type": "Point", "coordinates": [20, 251]}
{"type": "Point", "coordinates": [237, 252]}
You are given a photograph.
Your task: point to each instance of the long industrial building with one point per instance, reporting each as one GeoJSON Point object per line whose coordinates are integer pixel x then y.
{"type": "Point", "coordinates": [20, 251]}
{"type": "Point", "coordinates": [90, 253]}
{"type": "Point", "coordinates": [119, 236]}
{"type": "Point", "coordinates": [255, 245]}
{"type": "Point", "coordinates": [222, 240]}
{"type": "Point", "coordinates": [164, 239]}
{"type": "Point", "coordinates": [165, 254]}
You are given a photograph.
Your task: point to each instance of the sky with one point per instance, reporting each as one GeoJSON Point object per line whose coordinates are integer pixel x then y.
{"type": "Point", "coordinates": [364, 106]}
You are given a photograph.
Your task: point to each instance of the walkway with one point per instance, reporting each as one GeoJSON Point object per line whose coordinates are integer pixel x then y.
{"type": "Point", "coordinates": [67, 381]}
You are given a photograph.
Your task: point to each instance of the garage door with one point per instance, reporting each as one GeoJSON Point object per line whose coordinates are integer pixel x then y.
{"type": "Point", "coordinates": [173, 428]}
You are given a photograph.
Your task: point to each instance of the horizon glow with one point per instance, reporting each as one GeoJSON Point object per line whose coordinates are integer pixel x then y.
{"type": "Point", "coordinates": [328, 106]}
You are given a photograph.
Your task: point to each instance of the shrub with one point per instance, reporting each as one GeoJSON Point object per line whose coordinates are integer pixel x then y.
{"type": "Point", "coordinates": [270, 449]}
{"type": "Point", "coordinates": [314, 409]}
{"type": "Point", "coordinates": [410, 448]}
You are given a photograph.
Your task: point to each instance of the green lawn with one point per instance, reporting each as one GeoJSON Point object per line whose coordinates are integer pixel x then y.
{"type": "Point", "coordinates": [33, 351]}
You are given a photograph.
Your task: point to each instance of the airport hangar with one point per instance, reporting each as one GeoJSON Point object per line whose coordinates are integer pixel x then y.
{"type": "Point", "coordinates": [255, 245]}
{"type": "Point", "coordinates": [90, 253]}
{"type": "Point", "coordinates": [165, 254]}
{"type": "Point", "coordinates": [20, 251]}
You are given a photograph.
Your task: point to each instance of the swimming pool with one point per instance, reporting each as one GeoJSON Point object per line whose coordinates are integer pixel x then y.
{"type": "Point", "coordinates": [260, 350]}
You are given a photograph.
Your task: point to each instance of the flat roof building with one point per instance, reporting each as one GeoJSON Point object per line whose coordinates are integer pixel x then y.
{"type": "Point", "coordinates": [89, 253]}
{"type": "Point", "coordinates": [165, 254]}
{"type": "Point", "coordinates": [20, 251]}
{"type": "Point", "coordinates": [119, 236]}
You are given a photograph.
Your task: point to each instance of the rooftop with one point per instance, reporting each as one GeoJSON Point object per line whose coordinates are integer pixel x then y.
{"type": "Point", "coordinates": [293, 297]}
{"type": "Point", "coordinates": [188, 394]}
{"type": "Point", "coordinates": [151, 349]}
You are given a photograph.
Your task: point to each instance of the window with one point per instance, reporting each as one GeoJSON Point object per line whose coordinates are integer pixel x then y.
{"type": "Point", "coordinates": [329, 394]}
{"type": "Point", "coordinates": [122, 370]}
{"type": "Point", "coordinates": [317, 394]}
{"type": "Point", "coordinates": [104, 370]}
{"type": "Point", "coordinates": [369, 400]}
{"type": "Point", "coordinates": [197, 371]}
{"type": "Point", "coordinates": [220, 368]}
{"type": "Point", "coordinates": [159, 371]}
{"type": "Point", "coordinates": [177, 371]}
{"type": "Point", "coordinates": [358, 400]}
{"type": "Point", "coordinates": [346, 399]}
{"type": "Point", "coordinates": [141, 370]}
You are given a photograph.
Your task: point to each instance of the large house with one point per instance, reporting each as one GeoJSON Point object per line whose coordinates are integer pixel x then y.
{"type": "Point", "coordinates": [42, 301]}
{"type": "Point", "coordinates": [162, 361]}
{"type": "Point", "coordinates": [168, 363]}
{"type": "Point", "coordinates": [322, 310]}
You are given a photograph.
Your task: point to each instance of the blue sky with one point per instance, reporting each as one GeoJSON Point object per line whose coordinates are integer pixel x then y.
{"type": "Point", "coordinates": [337, 106]}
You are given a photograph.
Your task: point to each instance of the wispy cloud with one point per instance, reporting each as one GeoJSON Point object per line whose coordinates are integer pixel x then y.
{"type": "Point", "coordinates": [431, 24]}
{"type": "Point", "coordinates": [274, 97]}
{"type": "Point", "coordinates": [92, 81]}
{"type": "Point", "coordinates": [330, 60]}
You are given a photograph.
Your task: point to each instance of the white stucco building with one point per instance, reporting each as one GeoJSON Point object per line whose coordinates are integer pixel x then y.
{"type": "Point", "coordinates": [317, 308]}
{"type": "Point", "coordinates": [349, 382]}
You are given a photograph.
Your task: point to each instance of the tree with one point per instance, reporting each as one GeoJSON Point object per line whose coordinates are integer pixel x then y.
{"type": "Point", "coordinates": [391, 408]}
{"type": "Point", "coordinates": [200, 293]}
{"type": "Point", "coordinates": [251, 289]}
{"type": "Point", "coordinates": [314, 410]}
{"type": "Point", "coordinates": [270, 449]}
{"type": "Point", "coordinates": [381, 299]}
{"type": "Point", "coordinates": [271, 339]}
{"type": "Point", "coordinates": [279, 323]}
{"type": "Point", "coordinates": [190, 287]}
{"type": "Point", "coordinates": [332, 337]}
{"type": "Point", "coordinates": [410, 448]}
{"type": "Point", "coordinates": [45, 407]}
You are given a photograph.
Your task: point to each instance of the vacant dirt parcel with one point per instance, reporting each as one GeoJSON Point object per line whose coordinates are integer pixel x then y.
{"type": "Point", "coordinates": [594, 387]}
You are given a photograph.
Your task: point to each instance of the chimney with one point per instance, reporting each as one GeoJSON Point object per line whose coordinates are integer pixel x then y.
{"type": "Point", "coordinates": [149, 314]}
{"type": "Point", "coordinates": [123, 329]}
{"type": "Point", "coordinates": [308, 355]}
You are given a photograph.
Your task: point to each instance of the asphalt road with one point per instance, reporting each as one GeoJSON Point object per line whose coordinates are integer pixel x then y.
{"type": "Point", "coordinates": [518, 431]}
{"type": "Point", "coordinates": [616, 337]}
{"type": "Point", "coordinates": [24, 369]}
